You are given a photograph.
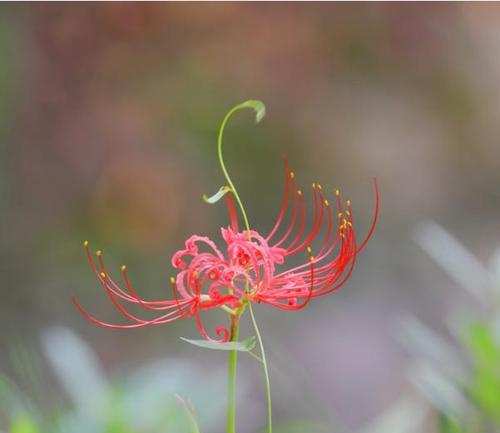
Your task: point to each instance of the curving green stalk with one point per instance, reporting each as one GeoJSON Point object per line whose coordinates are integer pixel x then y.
{"type": "Point", "coordinates": [266, 371]}
{"type": "Point", "coordinates": [260, 111]}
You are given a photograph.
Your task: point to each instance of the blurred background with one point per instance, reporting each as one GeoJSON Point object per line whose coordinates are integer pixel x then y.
{"type": "Point", "coordinates": [108, 121]}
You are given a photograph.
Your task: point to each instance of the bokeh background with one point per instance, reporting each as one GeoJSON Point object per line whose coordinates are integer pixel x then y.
{"type": "Point", "coordinates": [108, 121]}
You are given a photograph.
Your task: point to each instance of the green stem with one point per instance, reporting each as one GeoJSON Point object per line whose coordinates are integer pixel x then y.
{"type": "Point", "coordinates": [259, 109]}
{"type": "Point", "coordinates": [233, 359]}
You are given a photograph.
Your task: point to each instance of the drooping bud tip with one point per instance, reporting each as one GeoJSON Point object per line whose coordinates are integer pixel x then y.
{"type": "Point", "coordinates": [223, 190]}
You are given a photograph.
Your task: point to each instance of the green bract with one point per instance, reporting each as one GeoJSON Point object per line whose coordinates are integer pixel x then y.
{"type": "Point", "coordinates": [245, 345]}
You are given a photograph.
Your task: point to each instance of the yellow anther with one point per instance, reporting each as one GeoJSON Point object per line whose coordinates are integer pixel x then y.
{"type": "Point", "coordinates": [311, 258]}
{"type": "Point", "coordinates": [195, 274]}
{"type": "Point", "coordinates": [327, 203]}
{"type": "Point", "coordinates": [314, 185]}
{"type": "Point", "coordinates": [345, 221]}
{"type": "Point", "coordinates": [103, 275]}
{"type": "Point", "coordinates": [348, 212]}
{"type": "Point", "coordinates": [85, 244]}
{"type": "Point", "coordinates": [348, 203]}
{"type": "Point", "coordinates": [123, 268]}
{"type": "Point", "coordinates": [308, 250]}
{"type": "Point", "coordinates": [339, 215]}
{"type": "Point", "coordinates": [292, 175]}
{"type": "Point", "coordinates": [172, 280]}
{"type": "Point", "coordinates": [299, 193]}
{"type": "Point", "coordinates": [337, 192]}
{"type": "Point", "coordinates": [349, 223]}
{"type": "Point", "coordinates": [98, 253]}
{"type": "Point", "coordinates": [319, 186]}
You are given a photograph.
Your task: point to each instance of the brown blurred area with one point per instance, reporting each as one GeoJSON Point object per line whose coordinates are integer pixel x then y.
{"type": "Point", "coordinates": [108, 121]}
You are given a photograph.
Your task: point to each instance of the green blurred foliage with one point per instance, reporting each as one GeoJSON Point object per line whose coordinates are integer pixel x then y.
{"type": "Point", "coordinates": [464, 384]}
{"type": "Point", "coordinates": [23, 424]}
{"type": "Point", "coordinates": [449, 425]}
{"type": "Point", "coordinates": [484, 386]}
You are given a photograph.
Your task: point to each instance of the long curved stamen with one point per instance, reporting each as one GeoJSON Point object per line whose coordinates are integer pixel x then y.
{"type": "Point", "coordinates": [317, 222]}
{"type": "Point", "coordinates": [332, 265]}
{"type": "Point", "coordinates": [90, 259]}
{"type": "Point", "coordinates": [326, 241]}
{"type": "Point", "coordinates": [302, 223]}
{"type": "Point", "coordinates": [115, 288]}
{"type": "Point", "coordinates": [114, 326]}
{"type": "Point", "coordinates": [311, 286]}
{"type": "Point", "coordinates": [288, 176]}
{"type": "Point", "coordinates": [121, 294]}
{"type": "Point", "coordinates": [375, 217]}
{"type": "Point", "coordinates": [149, 305]}
{"type": "Point", "coordinates": [293, 219]}
{"type": "Point", "coordinates": [328, 288]}
{"type": "Point", "coordinates": [322, 253]}
{"type": "Point", "coordinates": [118, 306]}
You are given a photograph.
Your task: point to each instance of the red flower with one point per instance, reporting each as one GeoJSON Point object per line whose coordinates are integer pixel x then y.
{"type": "Point", "coordinates": [253, 268]}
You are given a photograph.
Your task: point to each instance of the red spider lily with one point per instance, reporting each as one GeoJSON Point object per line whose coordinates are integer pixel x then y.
{"type": "Point", "coordinates": [248, 272]}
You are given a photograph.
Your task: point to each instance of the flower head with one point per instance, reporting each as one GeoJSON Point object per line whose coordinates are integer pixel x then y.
{"type": "Point", "coordinates": [306, 254]}
{"type": "Point", "coordinates": [251, 267]}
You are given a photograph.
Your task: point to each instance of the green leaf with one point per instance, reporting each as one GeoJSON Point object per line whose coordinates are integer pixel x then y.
{"type": "Point", "coordinates": [449, 425]}
{"type": "Point", "coordinates": [189, 409]}
{"type": "Point", "coordinates": [482, 342]}
{"type": "Point", "coordinates": [245, 345]}
{"type": "Point", "coordinates": [485, 381]}
{"type": "Point", "coordinates": [217, 196]}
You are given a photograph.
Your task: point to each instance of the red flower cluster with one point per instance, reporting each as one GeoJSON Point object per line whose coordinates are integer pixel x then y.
{"type": "Point", "coordinates": [252, 268]}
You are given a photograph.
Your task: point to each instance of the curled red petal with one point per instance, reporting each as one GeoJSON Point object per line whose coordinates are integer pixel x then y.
{"type": "Point", "coordinates": [233, 217]}
{"type": "Point", "coordinates": [222, 332]}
